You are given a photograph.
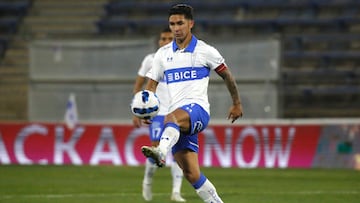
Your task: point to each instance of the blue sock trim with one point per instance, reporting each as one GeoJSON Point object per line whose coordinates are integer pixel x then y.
{"type": "Point", "coordinates": [199, 182]}
{"type": "Point", "coordinates": [173, 125]}
{"type": "Point", "coordinates": [151, 160]}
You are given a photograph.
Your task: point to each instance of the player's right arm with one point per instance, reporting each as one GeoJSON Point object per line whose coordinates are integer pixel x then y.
{"type": "Point", "coordinates": [139, 83]}
{"type": "Point", "coordinates": [156, 73]}
{"type": "Point", "coordinates": [151, 85]}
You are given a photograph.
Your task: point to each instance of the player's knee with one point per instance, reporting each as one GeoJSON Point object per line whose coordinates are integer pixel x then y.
{"type": "Point", "coordinates": [170, 118]}
{"type": "Point", "coordinates": [179, 117]}
{"type": "Point", "coordinates": [191, 176]}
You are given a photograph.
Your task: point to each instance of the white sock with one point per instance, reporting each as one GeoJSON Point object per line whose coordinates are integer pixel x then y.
{"type": "Point", "coordinates": [207, 192]}
{"type": "Point", "coordinates": [150, 169]}
{"type": "Point", "coordinates": [177, 176]}
{"type": "Point", "coordinates": [169, 137]}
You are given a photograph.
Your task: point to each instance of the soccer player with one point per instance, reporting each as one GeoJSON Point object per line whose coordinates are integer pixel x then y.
{"type": "Point", "coordinates": [186, 64]}
{"type": "Point", "coordinates": [157, 124]}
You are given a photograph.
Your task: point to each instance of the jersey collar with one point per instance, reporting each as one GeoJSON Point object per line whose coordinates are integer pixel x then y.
{"type": "Point", "coordinates": [190, 48]}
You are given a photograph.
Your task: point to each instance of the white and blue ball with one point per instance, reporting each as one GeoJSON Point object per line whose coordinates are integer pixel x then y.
{"type": "Point", "coordinates": [145, 104]}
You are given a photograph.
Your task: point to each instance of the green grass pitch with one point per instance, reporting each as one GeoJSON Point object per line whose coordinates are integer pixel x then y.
{"type": "Point", "coordinates": [120, 184]}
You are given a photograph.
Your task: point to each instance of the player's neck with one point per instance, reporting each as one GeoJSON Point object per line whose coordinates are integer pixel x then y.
{"type": "Point", "coordinates": [182, 44]}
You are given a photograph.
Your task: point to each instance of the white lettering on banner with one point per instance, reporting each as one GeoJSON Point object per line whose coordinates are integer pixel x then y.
{"type": "Point", "coordinates": [4, 156]}
{"type": "Point", "coordinates": [248, 132]}
{"type": "Point", "coordinates": [271, 150]}
{"type": "Point", "coordinates": [106, 137]}
{"type": "Point", "coordinates": [129, 145]}
{"type": "Point", "coordinates": [224, 156]}
{"type": "Point", "coordinates": [62, 147]}
{"type": "Point", "coordinates": [248, 147]}
{"type": "Point", "coordinates": [20, 141]}
{"type": "Point", "coordinates": [277, 151]}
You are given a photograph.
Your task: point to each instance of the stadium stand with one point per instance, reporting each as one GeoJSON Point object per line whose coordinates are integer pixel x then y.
{"type": "Point", "coordinates": [3, 46]}
{"type": "Point", "coordinates": [31, 20]}
{"type": "Point", "coordinates": [8, 25]}
{"type": "Point", "coordinates": [321, 43]}
{"type": "Point", "coordinates": [11, 13]}
{"type": "Point", "coordinates": [13, 77]}
{"type": "Point", "coordinates": [14, 8]}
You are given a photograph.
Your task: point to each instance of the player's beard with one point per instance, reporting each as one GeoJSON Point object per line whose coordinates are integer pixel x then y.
{"type": "Point", "coordinates": [181, 38]}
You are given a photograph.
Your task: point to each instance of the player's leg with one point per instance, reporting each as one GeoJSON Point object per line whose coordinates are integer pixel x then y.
{"type": "Point", "coordinates": [150, 165]}
{"type": "Point", "coordinates": [187, 120]}
{"type": "Point", "coordinates": [189, 162]}
{"type": "Point", "coordinates": [186, 154]}
{"type": "Point", "coordinates": [175, 122]}
{"type": "Point", "coordinates": [177, 176]}
{"type": "Point", "coordinates": [150, 168]}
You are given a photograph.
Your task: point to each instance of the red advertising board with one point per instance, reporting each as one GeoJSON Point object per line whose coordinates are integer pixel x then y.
{"type": "Point", "coordinates": [245, 146]}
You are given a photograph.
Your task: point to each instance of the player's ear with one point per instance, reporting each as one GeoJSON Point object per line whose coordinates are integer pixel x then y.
{"type": "Point", "coordinates": [191, 23]}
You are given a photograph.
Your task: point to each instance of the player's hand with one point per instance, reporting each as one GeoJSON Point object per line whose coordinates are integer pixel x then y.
{"type": "Point", "coordinates": [137, 122]}
{"type": "Point", "coordinates": [235, 112]}
{"type": "Point", "coordinates": [146, 121]}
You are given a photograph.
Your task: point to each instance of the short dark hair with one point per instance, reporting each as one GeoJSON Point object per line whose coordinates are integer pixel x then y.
{"type": "Point", "coordinates": [182, 9]}
{"type": "Point", "coordinates": [166, 29]}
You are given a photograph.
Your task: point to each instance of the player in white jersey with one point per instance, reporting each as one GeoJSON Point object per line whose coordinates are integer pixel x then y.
{"type": "Point", "coordinates": [157, 124]}
{"type": "Point", "coordinates": [185, 64]}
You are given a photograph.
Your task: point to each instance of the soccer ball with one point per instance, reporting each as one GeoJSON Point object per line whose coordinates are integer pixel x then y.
{"type": "Point", "coordinates": [145, 104]}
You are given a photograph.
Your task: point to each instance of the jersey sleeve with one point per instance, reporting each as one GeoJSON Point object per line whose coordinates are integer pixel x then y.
{"type": "Point", "coordinates": [214, 58]}
{"type": "Point", "coordinates": [156, 72]}
{"type": "Point", "coordinates": [146, 65]}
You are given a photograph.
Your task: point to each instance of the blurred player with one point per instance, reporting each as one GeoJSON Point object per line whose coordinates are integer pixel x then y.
{"type": "Point", "coordinates": [186, 64]}
{"type": "Point", "coordinates": [157, 124]}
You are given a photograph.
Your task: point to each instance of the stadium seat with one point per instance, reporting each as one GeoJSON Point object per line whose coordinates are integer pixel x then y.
{"type": "Point", "coordinates": [8, 25]}
{"type": "Point", "coordinates": [113, 25]}
{"type": "Point", "coordinates": [3, 45]}
{"type": "Point", "coordinates": [323, 54]}
{"type": "Point", "coordinates": [14, 8]}
{"type": "Point", "coordinates": [121, 7]}
{"type": "Point", "coordinates": [332, 41]}
{"type": "Point", "coordinates": [321, 76]}
{"type": "Point", "coordinates": [342, 90]}
{"type": "Point", "coordinates": [2, 49]}
{"type": "Point", "coordinates": [323, 59]}
{"type": "Point", "coordinates": [11, 13]}
{"type": "Point", "coordinates": [120, 25]}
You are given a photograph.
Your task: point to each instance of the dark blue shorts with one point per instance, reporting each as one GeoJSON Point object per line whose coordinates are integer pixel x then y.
{"type": "Point", "coordinates": [199, 120]}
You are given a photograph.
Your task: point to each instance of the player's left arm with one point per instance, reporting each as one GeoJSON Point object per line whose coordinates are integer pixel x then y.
{"type": "Point", "coordinates": [236, 109]}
